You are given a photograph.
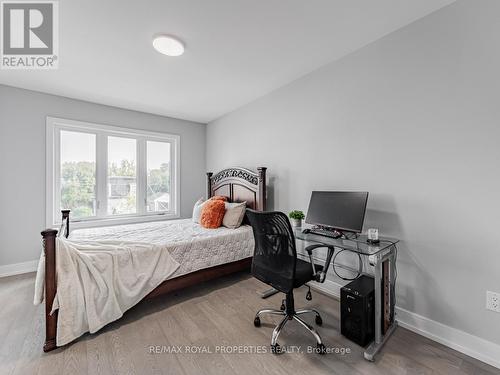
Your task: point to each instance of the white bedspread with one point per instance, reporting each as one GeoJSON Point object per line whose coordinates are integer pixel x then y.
{"type": "Point", "coordinates": [193, 246]}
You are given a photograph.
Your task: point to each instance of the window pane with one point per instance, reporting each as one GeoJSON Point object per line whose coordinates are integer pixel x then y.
{"type": "Point", "coordinates": [122, 181]}
{"type": "Point", "coordinates": [158, 179]}
{"type": "Point", "coordinates": [78, 158]}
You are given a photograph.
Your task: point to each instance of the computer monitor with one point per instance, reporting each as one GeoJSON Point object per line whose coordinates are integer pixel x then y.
{"type": "Point", "coordinates": [340, 210]}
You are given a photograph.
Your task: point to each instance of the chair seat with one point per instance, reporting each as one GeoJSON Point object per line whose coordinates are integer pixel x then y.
{"type": "Point", "coordinates": [304, 273]}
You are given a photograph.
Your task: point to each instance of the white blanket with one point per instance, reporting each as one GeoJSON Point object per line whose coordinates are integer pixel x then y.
{"type": "Point", "coordinates": [97, 281]}
{"type": "Point", "coordinates": [188, 243]}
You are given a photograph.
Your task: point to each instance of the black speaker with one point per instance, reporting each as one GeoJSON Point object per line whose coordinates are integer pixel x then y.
{"type": "Point", "coordinates": [357, 310]}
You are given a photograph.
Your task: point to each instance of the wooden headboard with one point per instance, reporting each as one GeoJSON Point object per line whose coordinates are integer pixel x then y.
{"type": "Point", "coordinates": [240, 184]}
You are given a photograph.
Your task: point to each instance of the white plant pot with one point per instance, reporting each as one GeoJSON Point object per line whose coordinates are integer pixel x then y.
{"type": "Point", "coordinates": [296, 223]}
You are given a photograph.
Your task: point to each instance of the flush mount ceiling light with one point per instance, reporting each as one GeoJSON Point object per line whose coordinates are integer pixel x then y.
{"type": "Point", "coordinates": [168, 45]}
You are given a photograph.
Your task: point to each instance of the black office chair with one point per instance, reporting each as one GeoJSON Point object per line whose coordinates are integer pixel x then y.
{"type": "Point", "coordinates": [275, 263]}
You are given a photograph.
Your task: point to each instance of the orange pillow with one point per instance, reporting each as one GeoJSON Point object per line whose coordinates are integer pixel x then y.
{"type": "Point", "coordinates": [212, 213]}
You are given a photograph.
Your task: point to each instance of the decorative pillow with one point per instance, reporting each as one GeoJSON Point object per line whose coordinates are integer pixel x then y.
{"type": "Point", "coordinates": [235, 212]}
{"type": "Point", "coordinates": [212, 213]}
{"type": "Point", "coordinates": [197, 210]}
{"type": "Point", "coordinates": [219, 197]}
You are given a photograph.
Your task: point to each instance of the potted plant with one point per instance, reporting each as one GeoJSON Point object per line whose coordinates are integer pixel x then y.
{"type": "Point", "coordinates": [296, 218]}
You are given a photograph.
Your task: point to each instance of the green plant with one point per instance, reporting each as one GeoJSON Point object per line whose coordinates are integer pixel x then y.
{"type": "Point", "coordinates": [295, 214]}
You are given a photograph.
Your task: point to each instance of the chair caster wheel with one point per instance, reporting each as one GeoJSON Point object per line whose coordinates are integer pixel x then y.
{"type": "Point", "coordinates": [321, 349]}
{"type": "Point", "coordinates": [319, 321]}
{"type": "Point", "coordinates": [276, 349]}
{"type": "Point", "coordinates": [256, 321]}
{"type": "Point", "coordinates": [282, 307]}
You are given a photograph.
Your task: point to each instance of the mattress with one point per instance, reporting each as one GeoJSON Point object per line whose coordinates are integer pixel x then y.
{"type": "Point", "coordinates": [191, 245]}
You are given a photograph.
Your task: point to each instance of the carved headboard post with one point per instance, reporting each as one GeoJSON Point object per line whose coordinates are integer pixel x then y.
{"type": "Point", "coordinates": [262, 188]}
{"type": "Point", "coordinates": [209, 184]}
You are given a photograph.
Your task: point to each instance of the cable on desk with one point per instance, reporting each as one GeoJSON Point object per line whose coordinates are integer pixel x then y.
{"type": "Point", "coordinates": [360, 266]}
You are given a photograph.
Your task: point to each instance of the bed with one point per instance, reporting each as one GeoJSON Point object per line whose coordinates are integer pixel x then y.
{"type": "Point", "coordinates": [199, 251]}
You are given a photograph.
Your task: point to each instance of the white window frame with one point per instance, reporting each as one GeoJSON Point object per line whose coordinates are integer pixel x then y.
{"type": "Point", "coordinates": [54, 126]}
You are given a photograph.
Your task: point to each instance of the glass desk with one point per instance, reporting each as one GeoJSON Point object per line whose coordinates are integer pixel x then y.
{"type": "Point", "coordinates": [355, 244]}
{"type": "Point", "coordinates": [382, 257]}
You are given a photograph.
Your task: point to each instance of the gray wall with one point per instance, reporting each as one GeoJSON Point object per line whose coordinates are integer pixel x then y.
{"type": "Point", "coordinates": [414, 119]}
{"type": "Point", "coordinates": [22, 160]}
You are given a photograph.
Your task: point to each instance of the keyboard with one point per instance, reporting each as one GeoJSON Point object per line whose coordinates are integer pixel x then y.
{"type": "Point", "coordinates": [324, 232]}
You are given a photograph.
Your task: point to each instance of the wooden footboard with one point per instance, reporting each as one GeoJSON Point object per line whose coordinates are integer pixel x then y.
{"type": "Point", "coordinates": [49, 246]}
{"type": "Point", "coordinates": [168, 286]}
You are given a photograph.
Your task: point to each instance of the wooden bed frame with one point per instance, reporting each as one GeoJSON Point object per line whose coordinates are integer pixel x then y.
{"type": "Point", "coordinates": [239, 184]}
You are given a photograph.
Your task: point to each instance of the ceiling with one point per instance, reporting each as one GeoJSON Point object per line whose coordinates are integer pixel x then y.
{"type": "Point", "coordinates": [236, 50]}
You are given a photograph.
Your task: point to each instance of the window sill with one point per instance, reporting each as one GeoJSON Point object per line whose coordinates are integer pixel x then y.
{"type": "Point", "coordinates": [119, 221]}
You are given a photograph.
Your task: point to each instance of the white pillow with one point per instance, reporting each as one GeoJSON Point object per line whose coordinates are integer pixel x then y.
{"type": "Point", "coordinates": [235, 212]}
{"type": "Point", "coordinates": [197, 210]}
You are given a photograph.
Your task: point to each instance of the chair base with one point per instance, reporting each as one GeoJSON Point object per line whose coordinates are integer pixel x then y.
{"type": "Point", "coordinates": [290, 314]}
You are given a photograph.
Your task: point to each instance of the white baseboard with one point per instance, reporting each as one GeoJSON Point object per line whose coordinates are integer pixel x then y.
{"type": "Point", "coordinates": [473, 346]}
{"type": "Point", "coordinates": [18, 268]}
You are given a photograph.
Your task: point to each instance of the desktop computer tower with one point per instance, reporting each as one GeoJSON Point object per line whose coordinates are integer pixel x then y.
{"type": "Point", "coordinates": [357, 310]}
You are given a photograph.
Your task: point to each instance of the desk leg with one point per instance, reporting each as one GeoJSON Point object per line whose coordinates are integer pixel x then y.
{"type": "Point", "coordinates": [374, 347]}
{"type": "Point", "coordinates": [392, 280]}
{"type": "Point", "coordinates": [380, 339]}
{"type": "Point", "coordinates": [378, 302]}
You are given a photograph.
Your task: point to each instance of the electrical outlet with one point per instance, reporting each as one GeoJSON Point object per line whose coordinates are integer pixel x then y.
{"type": "Point", "coordinates": [493, 301]}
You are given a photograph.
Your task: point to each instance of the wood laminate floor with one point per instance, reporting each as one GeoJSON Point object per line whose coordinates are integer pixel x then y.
{"type": "Point", "coordinates": [206, 318]}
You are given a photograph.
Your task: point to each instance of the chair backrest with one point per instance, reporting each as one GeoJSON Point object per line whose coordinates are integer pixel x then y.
{"type": "Point", "coordinates": [275, 256]}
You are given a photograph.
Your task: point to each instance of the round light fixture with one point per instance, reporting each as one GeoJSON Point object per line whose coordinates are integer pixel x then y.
{"type": "Point", "coordinates": [168, 45]}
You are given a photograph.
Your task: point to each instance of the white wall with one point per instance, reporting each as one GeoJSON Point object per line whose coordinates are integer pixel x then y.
{"type": "Point", "coordinates": [413, 118]}
{"type": "Point", "coordinates": [22, 160]}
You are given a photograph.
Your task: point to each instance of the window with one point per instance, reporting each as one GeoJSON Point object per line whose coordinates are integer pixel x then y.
{"type": "Point", "coordinates": [158, 179]}
{"type": "Point", "coordinates": [122, 176]}
{"type": "Point", "coordinates": [110, 174]}
{"type": "Point", "coordinates": [77, 166]}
